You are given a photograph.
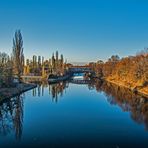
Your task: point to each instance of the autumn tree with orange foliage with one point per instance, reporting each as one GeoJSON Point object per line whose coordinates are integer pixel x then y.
{"type": "Point", "coordinates": [131, 71]}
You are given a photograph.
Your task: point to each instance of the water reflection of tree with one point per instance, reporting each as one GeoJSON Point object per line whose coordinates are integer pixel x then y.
{"type": "Point", "coordinates": [127, 100]}
{"type": "Point", "coordinates": [11, 117]}
{"type": "Point", "coordinates": [55, 90]}
{"type": "Point", "coordinates": [18, 117]}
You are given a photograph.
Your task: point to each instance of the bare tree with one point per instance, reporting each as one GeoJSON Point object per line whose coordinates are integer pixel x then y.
{"type": "Point", "coordinates": [18, 56]}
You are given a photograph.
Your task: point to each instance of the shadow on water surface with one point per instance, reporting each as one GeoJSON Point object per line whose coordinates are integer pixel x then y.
{"type": "Point", "coordinates": [11, 111]}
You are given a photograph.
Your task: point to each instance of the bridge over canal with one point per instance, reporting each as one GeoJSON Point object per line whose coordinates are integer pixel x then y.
{"type": "Point", "coordinates": [80, 69]}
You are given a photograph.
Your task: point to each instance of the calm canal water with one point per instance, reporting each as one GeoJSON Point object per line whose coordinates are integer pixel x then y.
{"type": "Point", "coordinates": [75, 114]}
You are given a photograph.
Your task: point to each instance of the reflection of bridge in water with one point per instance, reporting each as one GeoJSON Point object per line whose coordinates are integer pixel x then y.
{"type": "Point", "coordinates": [80, 81]}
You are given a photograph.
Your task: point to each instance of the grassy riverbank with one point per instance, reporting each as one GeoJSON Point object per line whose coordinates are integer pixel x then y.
{"type": "Point", "coordinates": [6, 93]}
{"type": "Point", "coordinates": [142, 90]}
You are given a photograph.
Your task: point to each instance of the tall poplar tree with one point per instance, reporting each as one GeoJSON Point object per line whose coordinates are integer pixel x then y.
{"type": "Point", "coordinates": [18, 56]}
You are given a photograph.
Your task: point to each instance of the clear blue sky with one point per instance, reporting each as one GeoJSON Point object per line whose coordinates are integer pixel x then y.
{"type": "Point", "coordinates": [83, 30]}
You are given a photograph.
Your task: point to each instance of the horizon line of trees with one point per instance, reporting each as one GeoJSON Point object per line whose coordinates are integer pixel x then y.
{"type": "Point", "coordinates": [132, 70]}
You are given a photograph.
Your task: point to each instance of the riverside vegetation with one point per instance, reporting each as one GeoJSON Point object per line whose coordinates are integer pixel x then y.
{"type": "Point", "coordinates": [12, 66]}
{"type": "Point", "coordinates": [11, 69]}
{"type": "Point", "coordinates": [130, 72]}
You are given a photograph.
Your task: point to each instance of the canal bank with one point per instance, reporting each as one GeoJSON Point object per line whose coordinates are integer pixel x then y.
{"type": "Point", "coordinates": [139, 90]}
{"type": "Point", "coordinates": [6, 93]}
